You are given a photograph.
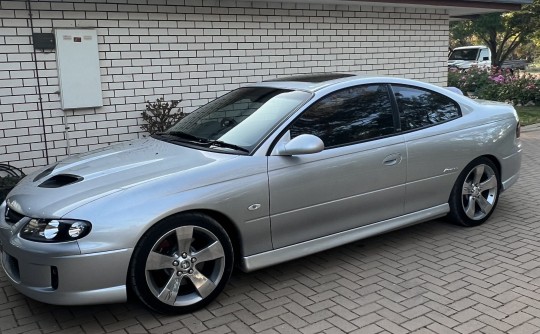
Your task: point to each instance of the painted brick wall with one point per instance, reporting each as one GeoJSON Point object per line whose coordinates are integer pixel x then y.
{"type": "Point", "coordinates": [195, 51]}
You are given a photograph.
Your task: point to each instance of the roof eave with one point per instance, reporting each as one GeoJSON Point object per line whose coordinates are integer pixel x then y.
{"type": "Point", "coordinates": [455, 8]}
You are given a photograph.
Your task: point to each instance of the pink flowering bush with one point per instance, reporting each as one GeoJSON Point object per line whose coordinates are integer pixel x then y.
{"type": "Point", "coordinates": [470, 82]}
{"type": "Point", "coordinates": [497, 84]}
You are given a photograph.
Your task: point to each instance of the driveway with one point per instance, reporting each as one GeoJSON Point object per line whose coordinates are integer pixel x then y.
{"type": "Point", "coordinates": [429, 278]}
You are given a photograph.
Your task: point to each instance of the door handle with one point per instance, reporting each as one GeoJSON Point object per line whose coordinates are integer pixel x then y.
{"type": "Point", "coordinates": [392, 159]}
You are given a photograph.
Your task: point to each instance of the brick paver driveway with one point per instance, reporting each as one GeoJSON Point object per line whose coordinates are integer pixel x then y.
{"type": "Point", "coordinates": [429, 278]}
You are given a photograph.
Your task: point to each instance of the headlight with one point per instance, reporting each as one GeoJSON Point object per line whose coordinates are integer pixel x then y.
{"type": "Point", "coordinates": [53, 230]}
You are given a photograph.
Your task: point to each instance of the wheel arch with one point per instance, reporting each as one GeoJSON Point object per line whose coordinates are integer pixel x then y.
{"type": "Point", "coordinates": [206, 216]}
{"type": "Point", "coordinates": [491, 158]}
{"type": "Point", "coordinates": [219, 217]}
{"type": "Point", "coordinates": [229, 226]}
{"type": "Point", "coordinates": [458, 214]}
{"type": "Point", "coordinates": [497, 164]}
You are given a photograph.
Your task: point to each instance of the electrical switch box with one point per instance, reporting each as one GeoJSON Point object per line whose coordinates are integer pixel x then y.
{"type": "Point", "coordinates": [43, 41]}
{"type": "Point", "coordinates": [77, 58]}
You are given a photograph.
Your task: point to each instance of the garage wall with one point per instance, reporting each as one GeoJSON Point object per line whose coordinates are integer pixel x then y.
{"type": "Point", "coordinates": [195, 51]}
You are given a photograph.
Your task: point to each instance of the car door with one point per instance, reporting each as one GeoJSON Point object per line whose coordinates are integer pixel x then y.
{"type": "Point", "coordinates": [484, 58]}
{"type": "Point", "coordinates": [356, 180]}
{"type": "Point", "coordinates": [435, 151]}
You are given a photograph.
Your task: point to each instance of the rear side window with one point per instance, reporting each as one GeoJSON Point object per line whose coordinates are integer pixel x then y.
{"type": "Point", "coordinates": [420, 108]}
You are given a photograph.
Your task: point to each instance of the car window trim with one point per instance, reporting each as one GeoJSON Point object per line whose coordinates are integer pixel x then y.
{"type": "Point", "coordinates": [393, 97]}
{"type": "Point", "coordinates": [279, 124]}
{"type": "Point", "coordinates": [394, 110]}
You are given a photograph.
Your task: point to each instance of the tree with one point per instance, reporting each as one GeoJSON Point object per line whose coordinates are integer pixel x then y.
{"type": "Point", "coordinates": [461, 34]}
{"type": "Point", "coordinates": [501, 33]}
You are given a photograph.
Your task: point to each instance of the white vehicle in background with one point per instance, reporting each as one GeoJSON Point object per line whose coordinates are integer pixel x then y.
{"type": "Point", "coordinates": [463, 58]}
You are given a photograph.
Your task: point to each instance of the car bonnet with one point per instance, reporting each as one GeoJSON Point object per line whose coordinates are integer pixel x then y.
{"type": "Point", "coordinates": [57, 189]}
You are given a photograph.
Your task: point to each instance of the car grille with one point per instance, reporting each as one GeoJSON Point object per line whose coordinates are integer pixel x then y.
{"type": "Point", "coordinates": [12, 216]}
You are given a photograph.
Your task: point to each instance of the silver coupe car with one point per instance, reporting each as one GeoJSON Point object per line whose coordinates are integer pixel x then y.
{"type": "Point", "coordinates": [264, 174]}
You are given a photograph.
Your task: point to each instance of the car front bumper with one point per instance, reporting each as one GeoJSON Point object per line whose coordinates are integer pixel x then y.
{"type": "Point", "coordinates": [57, 273]}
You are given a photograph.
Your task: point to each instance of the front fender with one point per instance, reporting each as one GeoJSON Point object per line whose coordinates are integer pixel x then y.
{"type": "Point", "coordinates": [120, 219]}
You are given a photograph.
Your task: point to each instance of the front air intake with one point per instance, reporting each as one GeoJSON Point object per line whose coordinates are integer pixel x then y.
{"type": "Point", "coordinates": [44, 173]}
{"type": "Point", "coordinates": [54, 277]}
{"type": "Point", "coordinates": [60, 180]}
{"type": "Point", "coordinates": [12, 216]}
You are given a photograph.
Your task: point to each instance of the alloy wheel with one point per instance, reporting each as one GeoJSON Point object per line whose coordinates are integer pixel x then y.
{"type": "Point", "coordinates": [479, 192]}
{"type": "Point", "coordinates": [185, 266]}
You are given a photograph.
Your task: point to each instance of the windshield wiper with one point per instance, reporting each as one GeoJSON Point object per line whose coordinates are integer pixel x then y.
{"type": "Point", "coordinates": [227, 145]}
{"type": "Point", "coordinates": [184, 135]}
{"type": "Point", "coordinates": [203, 141]}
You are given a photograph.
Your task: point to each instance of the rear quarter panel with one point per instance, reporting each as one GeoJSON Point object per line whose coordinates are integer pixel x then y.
{"type": "Point", "coordinates": [437, 155]}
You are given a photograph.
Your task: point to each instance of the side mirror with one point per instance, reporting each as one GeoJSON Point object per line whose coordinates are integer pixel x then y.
{"type": "Point", "coordinates": [303, 144]}
{"type": "Point", "coordinates": [485, 58]}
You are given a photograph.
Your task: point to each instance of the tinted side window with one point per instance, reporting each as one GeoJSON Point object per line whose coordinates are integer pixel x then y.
{"type": "Point", "coordinates": [420, 108]}
{"type": "Point", "coordinates": [348, 116]}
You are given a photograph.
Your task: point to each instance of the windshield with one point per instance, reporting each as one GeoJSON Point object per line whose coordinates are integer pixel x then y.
{"type": "Point", "coordinates": [241, 118]}
{"type": "Point", "coordinates": [464, 54]}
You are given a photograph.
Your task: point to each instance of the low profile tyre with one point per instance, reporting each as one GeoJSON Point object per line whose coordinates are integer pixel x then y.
{"type": "Point", "coordinates": [181, 264]}
{"type": "Point", "coordinates": [475, 194]}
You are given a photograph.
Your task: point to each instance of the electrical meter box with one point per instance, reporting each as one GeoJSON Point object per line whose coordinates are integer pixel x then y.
{"type": "Point", "coordinates": [77, 58]}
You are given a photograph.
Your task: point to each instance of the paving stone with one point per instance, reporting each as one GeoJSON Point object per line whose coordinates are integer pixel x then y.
{"type": "Point", "coordinates": [317, 327]}
{"type": "Point", "coordinates": [415, 324]}
{"type": "Point", "coordinates": [294, 320]}
{"type": "Point", "coordinates": [470, 326]}
{"type": "Point", "coordinates": [518, 318]}
{"type": "Point", "coordinates": [341, 323]}
{"type": "Point", "coordinates": [442, 319]}
{"type": "Point", "coordinates": [524, 329]}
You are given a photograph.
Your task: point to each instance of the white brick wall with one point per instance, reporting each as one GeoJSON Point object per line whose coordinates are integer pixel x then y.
{"type": "Point", "coordinates": [195, 51]}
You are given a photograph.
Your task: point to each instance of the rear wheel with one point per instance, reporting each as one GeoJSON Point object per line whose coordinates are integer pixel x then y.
{"type": "Point", "coordinates": [475, 194]}
{"type": "Point", "coordinates": [181, 264]}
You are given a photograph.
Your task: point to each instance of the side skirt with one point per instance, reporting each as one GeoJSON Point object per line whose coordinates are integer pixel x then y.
{"type": "Point", "coordinates": [261, 260]}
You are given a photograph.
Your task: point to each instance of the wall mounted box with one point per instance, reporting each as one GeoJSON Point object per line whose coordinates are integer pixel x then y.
{"type": "Point", "coordinates": [43, 41]}
{"type": "Point", "coordinates": [77, 58]}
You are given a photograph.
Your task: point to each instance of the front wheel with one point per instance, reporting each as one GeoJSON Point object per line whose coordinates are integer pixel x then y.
{"type": "Point", "coordinates": [181, 264]}
{"type": "Point", "coordinates": [475, 193]}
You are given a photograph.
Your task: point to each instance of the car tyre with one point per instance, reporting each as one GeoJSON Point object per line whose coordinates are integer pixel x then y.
{"type": "Point", "coordinates": [475, 193]}
{"type": "Point", "coordinates": [181, 264]}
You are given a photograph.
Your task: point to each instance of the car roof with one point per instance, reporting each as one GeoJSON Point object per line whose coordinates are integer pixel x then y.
{"type": "Point", "coordinates": [314, 77]}
{"type": "Point", "coordinates": [318, 81]}
{"type": "Point", "coordinates": [309, 82]}
{"type": "Point", "coordinates": [471, 47]}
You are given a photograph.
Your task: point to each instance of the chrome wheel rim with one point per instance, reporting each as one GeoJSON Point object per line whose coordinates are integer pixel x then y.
{"type": "Point", "coordinates": [185, 265]}
{"type": "Point", "coordinates": [479, 192]}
